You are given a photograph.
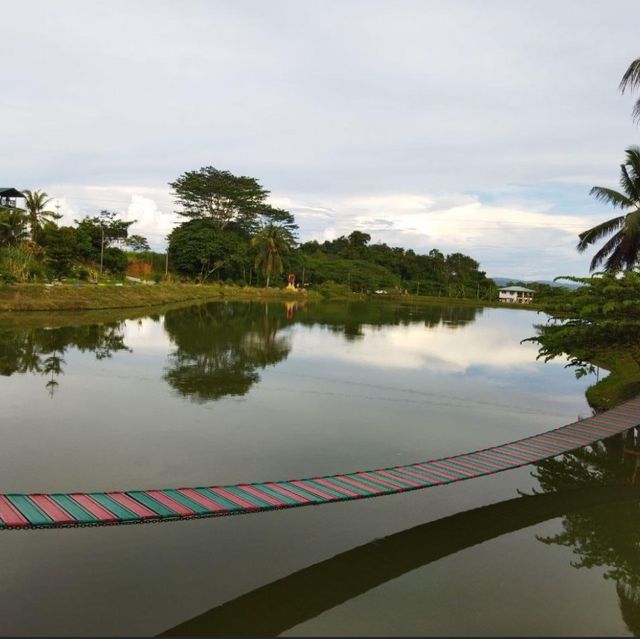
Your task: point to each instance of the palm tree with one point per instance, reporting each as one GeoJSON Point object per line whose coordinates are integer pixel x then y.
{"type": "Point", "coordinates": [13, 226]}
{"type": "Point", "coordinates": [272, 242]}
{"type": "Point", "coordinates": [631, 80]}
{"type": "Point", "coordinates": [622, 248]}
{"type": "Point", "coordinates": [36, 203]}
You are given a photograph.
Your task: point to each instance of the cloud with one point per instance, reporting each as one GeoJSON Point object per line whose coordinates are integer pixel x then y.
{"type": "Point", "coordinates": [358, 111]}
{"type": "Point", "coordinates": [441, 348]}
{"type": "Point", "coordinates": [502, 238]}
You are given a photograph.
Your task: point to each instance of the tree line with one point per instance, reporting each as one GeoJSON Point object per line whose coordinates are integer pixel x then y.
{"type": "Point", "coordinates": [230, 234]}
{"type": "Point", "coordinates": [34, 247]}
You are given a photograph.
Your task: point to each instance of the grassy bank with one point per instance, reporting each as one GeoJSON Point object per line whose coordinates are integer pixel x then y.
{"type": "Point", "coordinates": [622, 383]}
{"type": "Point", "coordinates": [35, 297]}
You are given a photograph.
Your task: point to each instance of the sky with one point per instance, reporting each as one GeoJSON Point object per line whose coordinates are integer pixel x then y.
{"type": "Point", "coordinates": [476, 126]}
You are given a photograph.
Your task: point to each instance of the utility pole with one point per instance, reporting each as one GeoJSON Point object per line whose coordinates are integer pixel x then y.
{"type": "Point", "coordinates": [101, 247]}
{"type": "Point", "coordinates": [166, 264]}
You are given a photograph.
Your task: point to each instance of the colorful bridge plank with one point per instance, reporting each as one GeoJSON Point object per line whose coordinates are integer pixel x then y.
{"type": "Point", "coordinates": [58, 510]}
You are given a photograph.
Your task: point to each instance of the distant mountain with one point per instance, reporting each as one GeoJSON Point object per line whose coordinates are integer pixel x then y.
{"type": "Point", "coordinates": [503, 281]}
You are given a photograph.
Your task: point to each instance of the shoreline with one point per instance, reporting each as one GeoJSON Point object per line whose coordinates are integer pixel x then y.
{"type": "Point", "coordinates": [37, 298]}
{"type": "Point", "coordinates": [20, 298]}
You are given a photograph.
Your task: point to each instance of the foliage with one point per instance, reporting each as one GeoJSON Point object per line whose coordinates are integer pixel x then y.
{"type": "Point", "coordinates": [603, 313]}
{"type": "Point", "coordinates": [96, 237]}
{"type": "Point", "coordinates": [631, 80]}
{"type": "Point", "coordinates": [13, 226]}
{"type": "Point", "coordinates": [60, 244]}
{"type": "Point", "coordinates": [621, 250]}
{"type": "Point", "coordinates": [353, 261]}
{"type": "Point", "coordinates": [271, 243]}
{"type": "Point", "coordinates": [19, 264]}
{"type": "Point", "coordinates": [137, 243]}
{"type": "Point", "coordinates": [269, 215]}
{"type": "Point", "coordinates": [36, 202]}
{"type": "Point", "coordinates": [219, 196]}
{"type": "Point", "coordinates": [200, 248]}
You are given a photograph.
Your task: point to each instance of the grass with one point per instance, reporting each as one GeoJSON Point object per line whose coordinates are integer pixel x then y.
{"type": "Point", "coordinates": [77, 297]}
{"type": "Point", "coordinates": [622, 383]}
{"type": "Point", "coordinates": [37, 297]}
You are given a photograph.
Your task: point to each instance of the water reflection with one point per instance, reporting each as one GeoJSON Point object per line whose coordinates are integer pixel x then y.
{"type": "Point", "coordinates": [607, 536]}
{"type": "Point", "coordinates": [41, 351]}
{"type": "Point", "coordinates": [348, 318]}
{"type": "Point", "coordinates": [593, 492]}
{"type": "Point", "coordinates": [221, 347]}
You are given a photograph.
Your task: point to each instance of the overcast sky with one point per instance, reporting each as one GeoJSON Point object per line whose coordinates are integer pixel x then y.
{"type": "Point", "coordinates": [476, 126]}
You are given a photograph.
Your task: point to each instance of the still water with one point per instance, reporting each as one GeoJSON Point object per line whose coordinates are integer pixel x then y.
{"type": "Point", "coordinates": [225, 393]}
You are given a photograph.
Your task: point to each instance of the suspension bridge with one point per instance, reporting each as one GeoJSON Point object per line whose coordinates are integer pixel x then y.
{"type": "Point", "coordinates": [58, 510]}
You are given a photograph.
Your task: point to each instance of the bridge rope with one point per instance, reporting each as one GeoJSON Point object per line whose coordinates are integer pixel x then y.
{"type": "Point", "coordinates": [58, 510]}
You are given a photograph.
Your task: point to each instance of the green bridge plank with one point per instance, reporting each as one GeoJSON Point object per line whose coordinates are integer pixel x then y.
{"type": "Point", "coordinates": [74, 509]}
{"type": "Point", "coordinates": [122, 513]}
{"type": "Point", "coordinates": [35, 516]}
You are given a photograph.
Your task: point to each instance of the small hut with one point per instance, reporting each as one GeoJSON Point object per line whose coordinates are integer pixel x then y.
{"type": "Point", "coordinates": [9, 195]}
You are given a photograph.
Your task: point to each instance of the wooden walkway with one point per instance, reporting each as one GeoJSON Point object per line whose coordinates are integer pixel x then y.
{"type": "Point", "coordinates": [56, 510]}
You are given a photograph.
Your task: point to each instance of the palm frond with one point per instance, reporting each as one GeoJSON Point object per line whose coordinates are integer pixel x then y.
{"type": "Point", "coordinates": [630, 185]}
{"type": "Point", "coordinates": [631, 78]}
{"type": "Point", "coordinates": [587, 238]}
{"type": "Point", "coordinates": [606, 251]}
{"type": "Point", "coordinates": [635, 113]}
{"type": "Point", "coordinates": [610, 196]}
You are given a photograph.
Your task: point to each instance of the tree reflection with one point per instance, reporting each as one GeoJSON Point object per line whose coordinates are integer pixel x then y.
{"type": "Point", "coordinates": [41, 351]}
{"type": "Point", "coordinates": [348, 318]}
{"type": "Point", "coordinates": [607, 536]}
{"type": "Point", "coordinates": [221, 347]}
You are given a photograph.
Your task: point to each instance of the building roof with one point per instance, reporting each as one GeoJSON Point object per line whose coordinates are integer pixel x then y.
{"type": "Point", "coordinates": [517, 289]}
{"type": "Point", "coordinates": [9, 191]}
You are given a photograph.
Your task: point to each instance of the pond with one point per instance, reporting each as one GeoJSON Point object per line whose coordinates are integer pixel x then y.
{"type": "Point", "coordinates": [231, 392]}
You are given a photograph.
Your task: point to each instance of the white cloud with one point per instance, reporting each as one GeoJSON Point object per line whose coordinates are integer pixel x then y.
{"type": "Point", "coordinates": [375, 108]}
{"type": "Point", "coordinates": [503, 238]}
{"type": "Point", "coordinates": [441, 348]}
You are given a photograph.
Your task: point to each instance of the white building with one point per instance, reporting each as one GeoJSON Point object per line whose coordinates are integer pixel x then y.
{"type": "Point", "coordinates": [515, 295]}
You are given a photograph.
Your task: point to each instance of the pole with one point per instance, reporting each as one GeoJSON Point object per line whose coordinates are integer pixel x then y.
{"type": "Point", "coordinates": [101, 247]}
{"type": "Point", "coordinates": [166, 264]}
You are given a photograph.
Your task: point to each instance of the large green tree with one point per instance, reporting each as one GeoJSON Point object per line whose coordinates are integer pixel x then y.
{"type": "Point", "coordinates": [198, 248]}
{"type": "Point", "coordinates": [36, 205]}
{"type": "Point", "coordinates": [623, 246]}
{"type": "Point", "coordinates": [219, 196]}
